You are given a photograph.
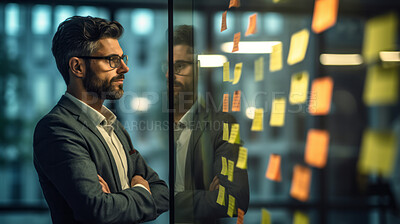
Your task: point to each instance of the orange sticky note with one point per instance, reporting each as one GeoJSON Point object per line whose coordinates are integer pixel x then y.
{"type": "Point", "coordinates": [234, 3]}
{"type": "Point", "coordinates": [236, 40]}
{"type": "Point", "coordinates": [236, 101]}
{"type": "Point", "coordinates": [252, 28]}
{"type": "Point", "coordinates": [321, 96]}
{"type": "Point", "coordinates": [325, 15]}
{"type": "Point", "coordinates": [240, 216]}
{"type": "Point", "coordinates": [274, 168]}
{"type": "Point", "coordinates": [317, 146]}
{"type": "Point", "coordinates": [225, 104]}
{"type": "Point", "coordinates": [223, 23]}
{"type": "Point", "coordinates": [301, 182]}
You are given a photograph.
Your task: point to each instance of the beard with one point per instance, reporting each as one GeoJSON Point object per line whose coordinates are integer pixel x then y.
{"type": "Point", "coordinates": [102, 89]}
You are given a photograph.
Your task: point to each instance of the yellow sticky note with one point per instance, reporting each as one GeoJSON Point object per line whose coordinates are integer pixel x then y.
{"type": "Point", "coordinates": [224, 169]}
{"type": "Point", "coordinates": [236, 40]}
{"type": "Point", "coordinates": [237, 73]}
{"type": "Point", "coordinates": [225, 103]}
{"type": "Point", "coordinates": [299, 88]}
{"type": "Point", "coordinates": [252, 28]}
{"type": "Point", "coordinates": [265, 216]}
{"type": "Point", "coordinates": [242, 159]}
{"type": "Point", "coordinates": [378, 152]}
{"type": "Point", "coordinates": [300, 218]}
{"type": "Point", "coordinates": [225, 133]}
{"type": "Point", "coordinates": [317, 146]}
{"type": "Point", "coordinates": [259, 69]}
{"type": "Point", "coordinates": [301, 183]}
{"type": "Point", "coordinates": [380, 34]}
{"type": "Point", "coordinates": [231, 167]}
{"type": "Point", "coordinates": [298, 46]}
{"type": "Point", "coordinates": [258, 121]}
{"type": "Point", "coordinates": [240, 216]}
{"type": "Point", "coordinates": [381, 86]}
{"type": "Point", "coordinates": [274, 168]}
{"type": "Point", "coordinates": [234, 3]}
{"type": "Point", "coordinates": [275, 59]}
{"type": "Point", "coordinates": [231, 205]}
{"type": "Point", "coordinates": [221, 195]}
{"type": "Point", "coordinates": [321, 96]}
{"type": "Point", "coordinates": [278, 113]}
{"type": "Point", "coordinates": [235, 135]}
{"type": "Point", "coordinates": [223, 22]}
{"type": "Point", "coordinates": [236, 101]}
{"type": "Point", "coordinates": [325, 15]}
{"type": "Point", "coordinates": [225, 72]}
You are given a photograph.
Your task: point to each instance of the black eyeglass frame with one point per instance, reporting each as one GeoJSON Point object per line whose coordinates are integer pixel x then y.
{"type": "Point", "coordinates": [177, 70]}
{"type": "Point", "coordinates": [109, 58]}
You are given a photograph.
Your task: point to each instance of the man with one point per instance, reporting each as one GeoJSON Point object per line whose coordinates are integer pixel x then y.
{"type": "Point", "coordinates": [88, 169]}
{"type": "Point", "coordinates": [199, 145]}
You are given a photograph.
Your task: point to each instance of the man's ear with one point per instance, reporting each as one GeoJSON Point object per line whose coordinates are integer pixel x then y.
{"type": "Point", "coordinates": [77, 66]}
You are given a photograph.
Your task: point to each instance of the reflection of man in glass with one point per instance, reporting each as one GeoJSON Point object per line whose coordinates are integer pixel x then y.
{"type": "Point", "coordinates": [199, 145]}
{"type": "Point", "coordinates": [88, 169]}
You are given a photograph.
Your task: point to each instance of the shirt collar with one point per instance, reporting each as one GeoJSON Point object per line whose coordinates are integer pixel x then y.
{"type": "Point", "coordinates": [188, 116]}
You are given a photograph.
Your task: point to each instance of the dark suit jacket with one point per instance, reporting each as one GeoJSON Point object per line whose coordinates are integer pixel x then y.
{"type": "Point", "coordinates": [69, 152]}
{"type": "Point", "coordinates": [203, 162]}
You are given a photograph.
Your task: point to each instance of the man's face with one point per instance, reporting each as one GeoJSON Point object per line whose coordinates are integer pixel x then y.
{"type": "Point", "coordinates": [101, 79]}
{"type": "Point", "coordinates": [183, 80]}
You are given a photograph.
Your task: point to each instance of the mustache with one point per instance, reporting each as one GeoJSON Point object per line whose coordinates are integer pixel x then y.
{"type": "Point", "coordinates": [122, 76]}
{"type": "Point", "coordinates": [177, 84]}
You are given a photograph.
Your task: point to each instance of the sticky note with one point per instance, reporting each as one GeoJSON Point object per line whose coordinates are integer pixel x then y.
{"type": "Point", "coordinates": [234, 3]}
{"type": "Point", "coordinates": [321, 96]}
{"type": "Point", "coordinates": [252, 28]}
{"type": "Point", "coordinates": [231, 205]}
{"type": "Point", "coordinates": [298, 47]}
{"type": "Point", "coordinates": [259, 69]}
{"type": "Point", "coordinates": [299, 88]}
{"type": "Point", "coordinates": [274, 168]}
{"type": "Point", "coordinates": [223, 22]}
{"type": "Point", "coordinates": [380, 34]}
{"type": "Point", "coordinates": [235, 135]}
{"type": "Point", "coordinates": [231, 167]}
{"type": "Point", "coordinates": [300, 218]}
{"type": "Point", "coordinates": [236, 101]}
{"type": "Point", "coordinates": [224, 169]}
{"type": "Point", "coordinates": [225, 133]}
{"type": "Point", "coordinates": [325, 15]}
{"type": "Point", "coordinates": [265, 216]}
{"type": "Point", "coordinates": [378, 152]}
{"type": "Point", "coordinates": [317, 145]}
{"type": "Point", "coordinates": [225, 103]}
{"type": "Point", "coordinates": [381, 86]}
{"type": "Point", "coordinates": [278, 112]}
{"type": "Point", "coordinates": [225, 72]}
{"type": "Point", "coordinates": [240, 216]}
{"type": "Point", "coordinates": [301, 182]}
{"type": "Point", "coordinates": [258, 121]}
{"type": "Point", "coordinates": [236, 40]}
{"type": "Point", "coordinates": [221, 195]}
{"type": "Point", "coordinates": [276, 1]}
{"type": "Point", "coordinates": [237, 73]}
{"type": "Point", "coordinates": [242, 159]}
{"type": "Point", "coordinates": [275, 59]}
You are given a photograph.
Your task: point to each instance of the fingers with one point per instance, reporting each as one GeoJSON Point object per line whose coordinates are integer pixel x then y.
{"type": "Point", "coordinates": [214, 184]}
{"type": "Point", "coordinates": [104, 185]}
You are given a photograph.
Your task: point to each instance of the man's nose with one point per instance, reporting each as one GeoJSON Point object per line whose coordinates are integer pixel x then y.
{"type": "Point", "coordinates": [123, 68]}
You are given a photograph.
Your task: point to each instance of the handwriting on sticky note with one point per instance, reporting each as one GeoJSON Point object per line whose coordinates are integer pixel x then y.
{"type": "Point", "coordinates": [236, 40]}
{"type": "Point", "coordinates": [265, 216]}
{"type": "Point", "coordinates": [380, 34]}
{"type": "Point", "coordinates": [252, 28]}
{"type": "Point", "coordinates": [300, 218]}
{"type": "Point", "coordinates": [240, 216]}
{"type": "Point", "coordinates": [275, 59]}
{"type": "Point", "coordinates": [231, 167]}
{"type": "Point", "coordinates": [225, 133]}
{"type": "Point", "coordinates": [234, 3]}
{"type": "Point", "coordinates": [301, 183]}
{"type": "Point", "coordinates": [258, 121]}
{"type": "Point", "coordinates": [224, 169]}
{"type": "Point", "coordinates": [381, 86]}
{"type": "Point", "coordinates": [231, 205]}
{"type": "Point", "coordinates": [278, 112]}
{"type": "Point", "coordinates": [225, 103]}
{"type": "Point", "coordinates": [299, 88]}
{"type": "Point", "coordinates": [321, 96]}
{"type": "Point", "coordinates": [325, 15]}
{"type": "Point", "coordinates": [225, 72]}
{"type": "Point", "coordinates": [298, 46]}
{"type": "Point", "coordinates": [236, 101]}
{"type": "Point", "coordinates": [317, 145]}
{"type": "Point", "coordinates": [274, 168]}
{"type": "Point", "coordinates": [223, 22]}
{"type": "Point", "coordinates": [259, 69]}
{"type": "Point", "coordinates": [237, 73]}
{"type": "Point", "coordinates": [221, 195]}
{"type": "Point", "coordinates": [378, 152]}
{"type": "Point", "coordinates": [235, 136]}
{"type": "Point", "coordinates": [242, 158]}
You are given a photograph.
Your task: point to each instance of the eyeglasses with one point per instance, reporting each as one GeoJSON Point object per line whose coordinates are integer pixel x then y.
{"type": "Point", "coordinates": [113, 60]}
{"type": "Point", "coordinates": [178, 67]}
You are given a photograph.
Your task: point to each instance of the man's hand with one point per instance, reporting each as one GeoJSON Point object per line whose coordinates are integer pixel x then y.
{"type": "Point", "coordinates": [104, 185]}
{"type": "Point", "coordinates": [140, 180]}
{"type": "Point", "coordinates": [214, 184]}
